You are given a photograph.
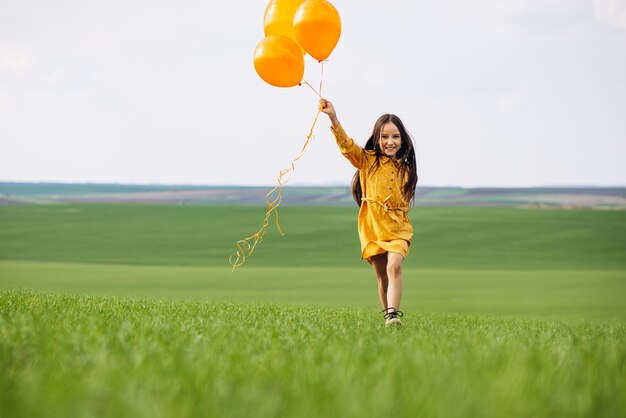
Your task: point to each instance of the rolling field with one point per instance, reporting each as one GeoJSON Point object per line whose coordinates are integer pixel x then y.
{"type": "Point", "coordinates": [132, 310]}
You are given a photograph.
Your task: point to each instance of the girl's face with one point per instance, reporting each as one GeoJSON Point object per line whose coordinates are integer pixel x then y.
{"type": "Point", "coordinates": [390, 139]}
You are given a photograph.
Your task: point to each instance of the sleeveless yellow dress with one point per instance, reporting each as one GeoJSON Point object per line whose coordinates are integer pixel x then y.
{"type": "Point", "coordinates": [383, 224]}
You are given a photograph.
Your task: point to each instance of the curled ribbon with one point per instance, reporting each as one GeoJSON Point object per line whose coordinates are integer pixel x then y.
{"type": "Point", "coordinates": [246, 246]}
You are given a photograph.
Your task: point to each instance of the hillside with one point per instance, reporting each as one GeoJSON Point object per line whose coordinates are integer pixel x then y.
{"type": "Point", "coordinates": [551, 197]}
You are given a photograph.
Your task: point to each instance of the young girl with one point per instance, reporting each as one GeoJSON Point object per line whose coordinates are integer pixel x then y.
{"type": "Point", "coordinates": [383, 187]}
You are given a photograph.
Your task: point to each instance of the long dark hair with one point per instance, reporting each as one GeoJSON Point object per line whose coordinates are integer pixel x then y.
{"type": "Point", "coordinates": [405, 157]}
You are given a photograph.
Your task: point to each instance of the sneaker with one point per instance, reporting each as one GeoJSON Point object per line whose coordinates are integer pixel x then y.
{"type": "Point", "coordinates": [392, 317]}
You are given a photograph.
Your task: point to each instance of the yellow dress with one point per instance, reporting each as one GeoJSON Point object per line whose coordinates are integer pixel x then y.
{"type": "Point", "coordinates": [384, 224]}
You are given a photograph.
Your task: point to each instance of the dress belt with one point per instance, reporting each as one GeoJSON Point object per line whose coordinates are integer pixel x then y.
{"type": "Point", "coordinates": [385, 204]}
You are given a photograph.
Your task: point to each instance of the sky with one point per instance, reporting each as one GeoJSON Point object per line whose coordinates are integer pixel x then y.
{"type": "Point", "coordinates": [496, 93]}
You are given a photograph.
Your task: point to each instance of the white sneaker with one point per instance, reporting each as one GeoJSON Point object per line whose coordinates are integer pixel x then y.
{"type": "Point", "coordinates": [392, 317]}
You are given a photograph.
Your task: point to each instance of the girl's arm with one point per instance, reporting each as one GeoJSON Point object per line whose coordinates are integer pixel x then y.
{"type": "Point", "coordinates": [354, 153]}
{"type": "Point", "coordinates": [328, 108]}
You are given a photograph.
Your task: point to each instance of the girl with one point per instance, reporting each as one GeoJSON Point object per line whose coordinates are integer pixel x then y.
{"type": "Point", "coordinates": [383, 187]}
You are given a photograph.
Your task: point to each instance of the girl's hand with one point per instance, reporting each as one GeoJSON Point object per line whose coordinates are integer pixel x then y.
{"type": "Point", "coordinates": [328, 108]}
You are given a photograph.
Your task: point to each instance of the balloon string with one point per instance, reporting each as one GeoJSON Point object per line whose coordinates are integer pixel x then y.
{"type": "Point", "coordinates": [322, 77]}
{"type": "Point", "coordinates": [317, 92]}
{"type": "Point", "coordinates": [311, 87]}
{"type": "Point", "coordinates": [246, 246]}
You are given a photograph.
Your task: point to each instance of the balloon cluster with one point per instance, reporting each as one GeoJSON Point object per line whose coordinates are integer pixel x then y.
{"type": "Point", "coordinates": [292, 29]}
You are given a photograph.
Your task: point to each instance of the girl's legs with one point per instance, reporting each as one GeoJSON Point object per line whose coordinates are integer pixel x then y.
{"type": "Point", "coordinates": [379, 263]}
{"type": "Point", "coordinates": [394, 275]}
{"type": "Point", "coordinates": [388, 269]}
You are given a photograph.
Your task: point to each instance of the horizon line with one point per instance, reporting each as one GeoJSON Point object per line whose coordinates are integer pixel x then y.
{"type": "Point", "coordinates": [326, 185]}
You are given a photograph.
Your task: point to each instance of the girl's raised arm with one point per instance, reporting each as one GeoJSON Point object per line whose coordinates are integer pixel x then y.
{"type": "Point", "coordinates": [354, 153]}
{"type": "Point", "coordinates": [328, 108]}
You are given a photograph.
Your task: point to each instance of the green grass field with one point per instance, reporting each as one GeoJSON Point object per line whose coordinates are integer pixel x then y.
{"type": "Point", "coordinates": [132, 310]}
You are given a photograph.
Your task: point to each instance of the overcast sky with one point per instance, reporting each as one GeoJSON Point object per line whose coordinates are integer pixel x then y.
{"type": "Point", "coordinates": [494, 92]}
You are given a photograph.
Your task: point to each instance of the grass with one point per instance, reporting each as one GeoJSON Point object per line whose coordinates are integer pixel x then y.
{"type": "Point", "coordinates": [132, 310]}
{"type": "Point", "coordinates": [502, 261]}
{"type": "Point", "coordinates": [564, 294]}
{"type": "Point", "coordinates": [450, 238]}
{"type": "Point", "coordinates": [110, 357]}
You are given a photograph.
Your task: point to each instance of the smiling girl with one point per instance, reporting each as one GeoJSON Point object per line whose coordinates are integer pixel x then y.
{"type": "Point", "coordinates": [383, 187]}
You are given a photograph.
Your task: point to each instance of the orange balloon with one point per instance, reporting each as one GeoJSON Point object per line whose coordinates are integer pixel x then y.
{"type": "Point", "coordinates": [278, 18]}
{"type": "Point", "coordinates": [278, 61]}
{"type": "Point", "coordinates": [318, 27]}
